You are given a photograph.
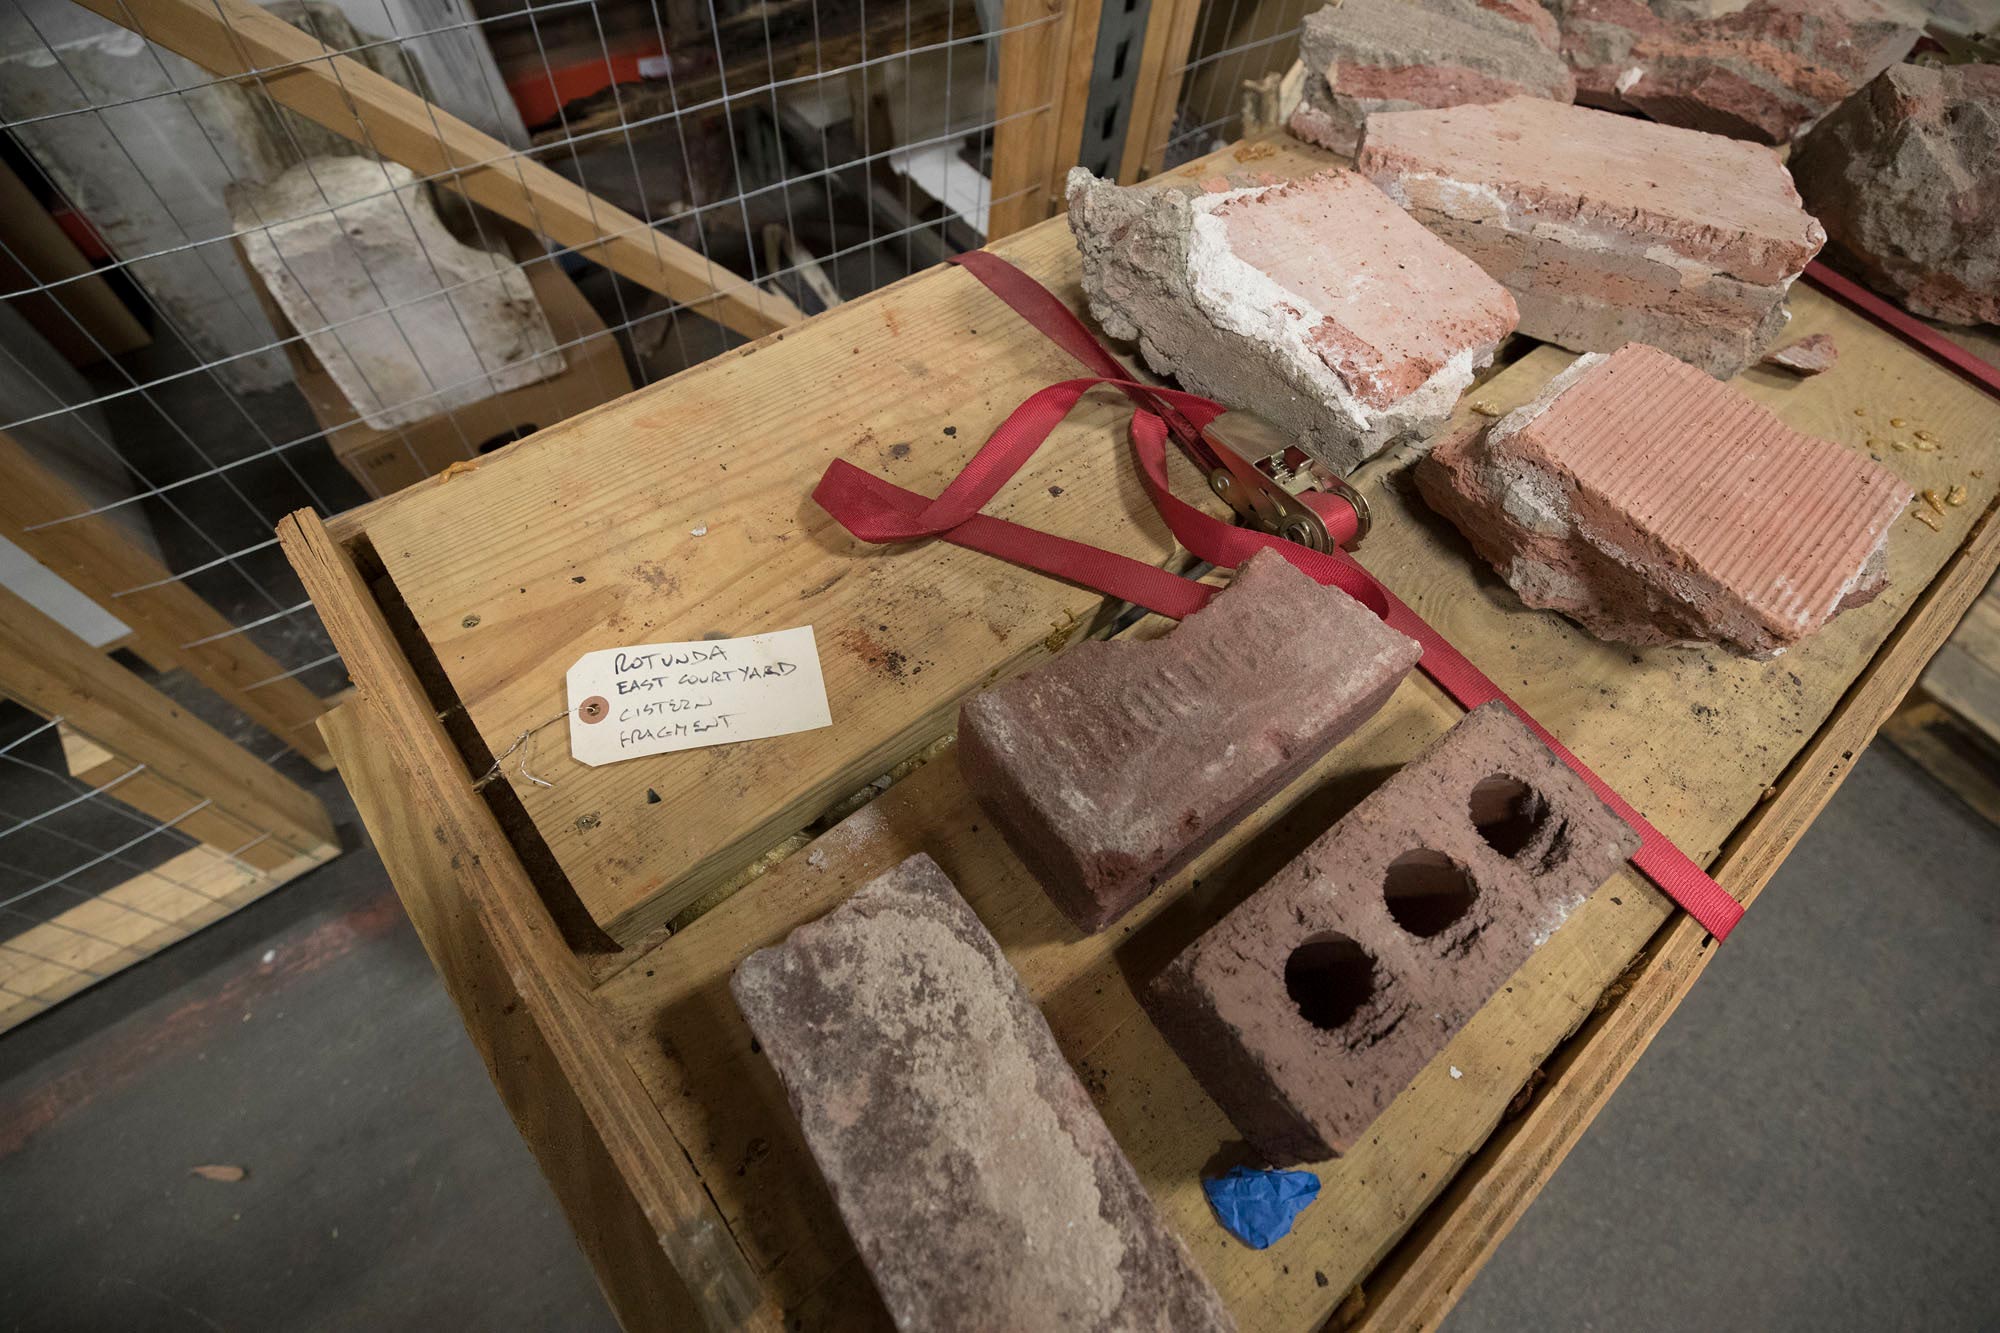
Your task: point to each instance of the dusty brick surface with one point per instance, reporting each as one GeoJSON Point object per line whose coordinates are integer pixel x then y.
{"type": "Point", "coordinates": [1765, 72]}
{"type": "Point", "coordinates": [1306, 1010]}
{"type": "Point", "coordinates": [1113, 766]}
{"type": "Point", "coordinates": [1904, 178]}
{"type": "Point", "coordinates": [1808, 356]}
{"type": "Point", "coordinates": [976, 1178]}
{"type": "Point", "coordinates": [1653, 505]}
{"type": "Point", "coordinates": [1315, 303]}
{"type": "Point", "coordinates": [1392, 55]}
{"type": "Point", "coordinates": [1607, 229]}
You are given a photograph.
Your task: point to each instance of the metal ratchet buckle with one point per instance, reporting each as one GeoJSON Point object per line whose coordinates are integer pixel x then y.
{"type": "Point", "coordinates": [1224, 452]}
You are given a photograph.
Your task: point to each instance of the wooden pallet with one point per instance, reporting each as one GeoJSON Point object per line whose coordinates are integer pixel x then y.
{"type": "Point", "coordinates": [1951, 722]}
{"type": "Point", "coordinates": [683, 511]}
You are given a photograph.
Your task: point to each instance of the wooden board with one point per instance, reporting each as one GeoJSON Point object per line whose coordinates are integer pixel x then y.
{"type": "Point", "coordinates": [1965, 675]}
{"type": "Point", "coordinates": [109, 932]}
{"type": "Point", "coordinates": [1720, 752]}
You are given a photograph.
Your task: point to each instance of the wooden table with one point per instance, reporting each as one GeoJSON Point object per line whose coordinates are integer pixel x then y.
{"type": "Point", "coordinates": [560, 916]}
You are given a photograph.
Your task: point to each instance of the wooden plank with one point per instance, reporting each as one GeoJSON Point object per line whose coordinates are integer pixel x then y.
{"type": "Point", "coordinates": [49, 670]}
{"type": "Point", "coordinates": [234, 38]}
{"type": "Point", "coordinates": [1962, 758]}
{"type": "Point", "coordinates": [1965, 675]}
{"type": "Point", "coordinates": [83, 318]}
{"type": "Point", "coordinates": [137, 786]}
{"type": "Point", "coordinates": [1156, 94]}
{"type": "Point", "coordinates": [585, 536]}
{"type": "Point", "coordinates": [1044, 83]}
{"type": "Point", "coordinates": [101, 935]}
{"type": "Point", "coordinates": [48, 518]}
{"type": "Point", "coordinates": [625, 1184]}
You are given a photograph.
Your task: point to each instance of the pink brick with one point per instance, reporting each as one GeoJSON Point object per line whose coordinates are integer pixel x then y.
{"type": "Point", "coordinates": [1394, 55]}
{"type": "Point", "coordinates": [1113, 766]}
{"type": "Point", "coordinates": [1306, 1010]}
{"type": "Point", "coordinates": [1653, 505]}
{"type": "Point", "coordinates": [971, 1168]}
{"type": "Point", "coordinates": [1607, 229]}
{"type": "Point", "coordinates": [1315, 303]}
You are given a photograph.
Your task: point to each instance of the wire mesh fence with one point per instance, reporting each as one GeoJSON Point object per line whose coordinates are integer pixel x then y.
{"type": "Point", "coordinates": [253, 260]}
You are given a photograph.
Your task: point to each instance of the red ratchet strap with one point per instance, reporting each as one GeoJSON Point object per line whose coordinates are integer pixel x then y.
{"type": "Point", "coordinates": [876, 511]}
{"type": "Point", "coordinates": [1905, 326]}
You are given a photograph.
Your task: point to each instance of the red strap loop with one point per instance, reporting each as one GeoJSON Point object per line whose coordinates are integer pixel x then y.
{"type": "Point", "coordinates": [876, 511]}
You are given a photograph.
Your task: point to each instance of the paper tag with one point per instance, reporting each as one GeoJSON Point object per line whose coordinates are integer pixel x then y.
{"type": "Point", "coordinates": [662, 697]}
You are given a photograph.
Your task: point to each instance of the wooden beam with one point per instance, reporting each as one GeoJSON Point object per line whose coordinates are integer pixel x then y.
{"type": "Point", "coordinates": [83, 318]}
{"type": "Point", "coordinates": [1162, 66]}
{"type": "Point", "coordinates": [143, 790]}
{"type": "Point", "coordinates": [236, 39]}
{"type": "Point", "coordinates": [51, 671]}
{"type": "Point", "coordinates": [102, 560]}
{"type": "Point", "coordinates": [1044, 84]}
{"type": "Point", "coordinates": [666, 1258]}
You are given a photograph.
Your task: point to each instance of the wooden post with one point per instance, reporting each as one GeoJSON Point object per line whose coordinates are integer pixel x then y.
{"type": "Point", "coordinates": [1044, 85]}
{"type": "Point", "coordinates": [234, 38]}
{"type": "Point", "coordinates": [1162, 66]}
{"type": "Point", "coordinates": [102, 560]}
{"type": "Point", "coordinates": [51, 671]}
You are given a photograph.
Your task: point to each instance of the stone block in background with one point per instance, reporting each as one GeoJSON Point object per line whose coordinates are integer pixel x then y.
{"type": "Point", "coordinates": [1110, 768]}
{"type": "Point", "coordinates": [1906, 180]}
{"type": "Point", "coordinates": [1314, 303]}
{"type": "Point", "coordinates": [1764, 72]}
{"type": "Point", "coordinates": [1394, 55]}
{"type": "Point", "coordinates": [1653, 505]}
{"type": "Point", "coordinates": [972, 1170]}
{"type": "Point", "coordinates": [1607, 229]}
{"type": "Point", "coordinates": [1308, 1008]}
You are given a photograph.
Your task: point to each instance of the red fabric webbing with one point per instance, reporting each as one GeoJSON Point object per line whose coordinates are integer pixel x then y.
{"type": "Point", "coordinates": [876, 511]}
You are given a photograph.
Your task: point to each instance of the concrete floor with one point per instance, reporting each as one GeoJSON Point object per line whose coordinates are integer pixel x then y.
{"type": "Point", "coordinates": [1807, 1145]}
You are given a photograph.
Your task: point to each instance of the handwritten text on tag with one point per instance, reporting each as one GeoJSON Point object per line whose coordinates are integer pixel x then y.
{"type": "Point", "coordinates": [661, 697]}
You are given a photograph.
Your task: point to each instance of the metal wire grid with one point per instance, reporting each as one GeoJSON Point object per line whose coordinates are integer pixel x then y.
{"type": "Point", "coordinates": [200, 485]}
{"type": "Point", "coordinates": [1236, 43]}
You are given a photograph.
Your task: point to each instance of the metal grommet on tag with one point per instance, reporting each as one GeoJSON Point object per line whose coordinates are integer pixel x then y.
{"type": "Point", "coordinates": [594, 709]}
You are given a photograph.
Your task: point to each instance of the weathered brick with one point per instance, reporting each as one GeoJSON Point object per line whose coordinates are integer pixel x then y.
{"type": "Point", "coordinates": [1113, 766]}
{"type": "Point", "coordinates": [1362, 56]}
{"type": "Point", "coordinates": [1653, 505]}
{"type": "Point", "coordinates": [972, 1170]}
{"type": "Point", "coordinates": [1306, 1010]}
{"type": "Point", "coordinates": [1315, 303]}
{"type": "Point", "coordinates": [1607, 229]}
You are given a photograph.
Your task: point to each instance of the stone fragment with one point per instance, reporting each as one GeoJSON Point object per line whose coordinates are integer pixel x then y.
{"type": "Point", "coordinates": [1904, 179]}
{"type": "Point", "coordinates": [1394, 55]}
{"type": "Point", "coordinates": [971, 1169]}
{"type": "Point", "coordinates": [1607, 229]}
{"type": "Point", "coordinates": [409, 321]}
{"type": "Point", "coordinates": [1653, 505]}
{"type": "Point", "coordinates": [1807, 356]}
{"type": "Point", "coordinates": [1765, 72]}
{"type": "Point", "coordinates": [1308, 1008]}
{"type": "Point", "coordinates": [1113, 766]}
{"type": "Point", "coordinates": [1311, 302]}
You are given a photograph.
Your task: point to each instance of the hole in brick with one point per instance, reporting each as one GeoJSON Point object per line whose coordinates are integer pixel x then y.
{"type": "Point", "coordinates": [1426, 891]}
{"type": "Point", "coordinates": [1329, 978]}
{"type": "Point", "coordinates": [1508, 813]}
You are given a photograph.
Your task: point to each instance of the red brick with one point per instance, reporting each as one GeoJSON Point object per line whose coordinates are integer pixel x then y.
{"type": "Point", "coordinates": [1653, 505]}
{"type": "Point", "coordinates": [1113, 766]}
{"type": "Point", "coordinates": [972, 1170]}
{"type": "Point", "coordinates": [1306, 1010]}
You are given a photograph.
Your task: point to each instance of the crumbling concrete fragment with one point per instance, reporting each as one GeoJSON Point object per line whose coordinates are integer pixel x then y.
{"type": "Point", "coordinates": [1607, 229]}
{"type": "Point", "coordinates": [1313, 303]}
{"type": "Point", "coordinates": [1904, 178]}
{"type": "Point", "coordinates": [1113, 766]}
{"type": "Point", "coordinates": [975, 1176]}
{"type": "Point", "coordinates": [1393, 55]}
{"type": "Point", "coordinates": [1308, 1008]}
{"type": "Point", "coordinates": [1653, 505]}
{"type": "Point", "coordinates": [409, 321]}
{"type": "Point", "coordinates": [1807, 356]}
{"type": "Point", "coordinates": [1765, 72]}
